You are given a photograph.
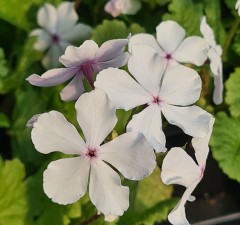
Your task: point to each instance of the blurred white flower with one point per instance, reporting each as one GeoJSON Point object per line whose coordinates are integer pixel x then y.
{"type": "Point", "coordinates": [214, 55]}
{"type": "Point", "coordinates": [172, 46]}
{"type": "Point", "coordinates": [66, 180]}
{"type": "Point", "coordinates": [164, 91]}
{"type": "Point", "coordinates": [179, 168]}
{"type": "Point", "coordinates": [237, 6]}
{"type": "Point", "coordinates": [58, 30]}
{"type": "Point", "coordinates": [83, 62]}
{"type": "Point", "coordinates": [117, 7]}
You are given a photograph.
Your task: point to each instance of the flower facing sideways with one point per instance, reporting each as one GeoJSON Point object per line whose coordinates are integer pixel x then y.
{"type": "Point", "coordinates": [66, 180]}
{"type": "Point", "coordinates": [117, 7]}
{"type": "Point", "coordinates": [58, 30]}
{"type": "Point", "coordinates": [83, 62]}
{"type": "Point", "coordinates": [179, 168]}
{"type": "Point", "coordinates": [214, 55]}
{"type": "Point", "coordinates": [172, 46]}
{"type": "Point", "coordinates": [161, 91]}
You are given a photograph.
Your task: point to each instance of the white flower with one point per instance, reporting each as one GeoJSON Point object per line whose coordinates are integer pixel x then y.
{"type": "Point", "coordinates": [179, 168]}
{"type": "Point", "coordinates": [83, 62]}
{"type": "Point", "coordinates": [169, 92]}
{"type": "Point", "coordinates": [214, 55]}
{"type": "Point", "coordinates": [172, 46]}
{"type": "Point", "coordinates": [237, 6]}
{"type": "Point", "coordinates": [66, 180]}
{"type": "Point", "coordinates": [117, 7]}
{"type": "Point", "coordinates": [59, 29]}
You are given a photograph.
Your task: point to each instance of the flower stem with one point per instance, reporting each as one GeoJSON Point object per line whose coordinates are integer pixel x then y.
{"type": "Point", "coordinates": [229, 37]}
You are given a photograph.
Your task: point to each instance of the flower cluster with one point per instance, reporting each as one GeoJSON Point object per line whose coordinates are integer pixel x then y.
{"type": "Point", "coordinates": [158, 84]}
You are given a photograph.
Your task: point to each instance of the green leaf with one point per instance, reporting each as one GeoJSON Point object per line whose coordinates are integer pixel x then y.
{"type": "Point", "coordinates": [13, 203]}
{"type": "Point", "coordinates": [16, 12]}
{"type": "Point", "coordinates": [232, 92]}
{"type": "Point", "coordinates": [123, 117]}
{"type": "Point", "coordinates": [3, 64]}
{"type": "Point", "coordinates": [225, 143]}
{"type": "Point", "coordinates": [155, 3]}
{"type": "Point", "coordinates": [114, 29]}
{"type": "Point", "coordinates": [187, 14]}
{"type": "Point", "coordinates": [4, 121]}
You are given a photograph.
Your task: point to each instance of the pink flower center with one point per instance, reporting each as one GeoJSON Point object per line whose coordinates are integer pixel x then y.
{"type": "Point", "coordinates": [91, 153]}
{"type": "Point", "coordinates": [156, 99]}
{"type": "Point", "coordinates": [55, 38]}
{"type": "Point", "coordinates": [88, 71]}
{"type": "Point", "coordinates": [168, 56]}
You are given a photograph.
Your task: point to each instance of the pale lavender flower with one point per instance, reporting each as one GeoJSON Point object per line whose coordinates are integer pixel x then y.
{"type": "Point", "coordinates": [58, 30]}
{"type": "Point", "coordinates": [83, 62]}
{"type": "Point", "coordinates": [65, 181]}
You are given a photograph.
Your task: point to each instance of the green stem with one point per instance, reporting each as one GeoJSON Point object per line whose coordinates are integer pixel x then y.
{"type": "Point", "coordinates": [229, 37]}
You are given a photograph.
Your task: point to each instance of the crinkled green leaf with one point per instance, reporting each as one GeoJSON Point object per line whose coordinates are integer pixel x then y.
{"type": "Point", "coordinates": [13, 202]}
{"type": "Point", "coordinates": [16, 12]}
{"type": "Point", "coordinates": [187, 14]}
{"type": "Point", "coordinates": [236, 43]}
{"type": "Point", "coordinates": [3, 64]}
{"type": "Point", "coordinates": [123, 117]}
{"type": "Point", "coordinates": [4, 121]}
{"type": "Point", "coordinates": [225, 143]}
{"type": "Point", "coordinates": [232, 92]}
{"type": "Point", "coordinates": [114, 29]}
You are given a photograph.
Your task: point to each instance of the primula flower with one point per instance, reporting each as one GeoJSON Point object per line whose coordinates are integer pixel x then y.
{"type": "Point", "coordinates": [237, 6]}
{"type": "Point", "coordinates": [179, 168]}
{"type": "Point", "coordinates": [214, 55]}
{"type": "Point", "coordinates": [117, 7]}
{"type": "Point", "coordinates": [169, 92]}
{"type": "Point", "coordinates": [172, 46]}
{"type": "Point", "coordinates": [82, 62]}
{"type": "Point", "coordinates": [59, 29]}
{"type": "Point", "coordinates": [66, 180]}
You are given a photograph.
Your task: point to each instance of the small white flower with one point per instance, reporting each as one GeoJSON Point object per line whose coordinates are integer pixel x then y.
{"type": "Point", "coordinates": [168, 92]}
{"type": "Point", "coordinates": [179, 168]}
{"type": "Point", "coordinates": [59, 29]}
{"type": "Point", "coordinates": [237, 6]}
{"type": "Point", "coordinates": [66, 180]}
{"type": "Point", "coordinates": [83, 62]}
{"type": "Point", "coordinates": [172, 46]}
{"type": "Point", "coordinates": [117, 7]}
{"type": "Point", "coordinates": [214, 55]}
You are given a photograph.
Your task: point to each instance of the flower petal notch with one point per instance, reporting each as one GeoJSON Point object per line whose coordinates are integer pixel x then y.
{"type": "Point", "coordinates": [179, 168]}
{"type": "Point", "coordinates": [214, 55]}
{"type": "Point", "coordinates": [172, 45]}
{"type": "Point", "coordinates": [82, 63]}
{"type": "Point", "coordinates": [66, 180]}
{"type": "Point", "coordinates": [58, 30]}
{"type": "Point", "coordinates": [158, 90]}
{"type": "Point", "coordinates": [118, 7]}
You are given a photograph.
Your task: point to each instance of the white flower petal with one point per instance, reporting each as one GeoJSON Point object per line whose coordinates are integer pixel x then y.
{"type": "Point", "coordinates": [78, 32]}
{"type": "Point", "coordinates": [67, 17]}
{"type": "Point", "coordinates": [147, 67]}
{"type": "Point", "coordinates": [192, 50]}
{"type": "Point", "coordinates": [52, 132]}
{"type": "Point", "coordinates": [47, 17]}
{"type": "Point", "coordinates": [181, 86]}
{"type": "Point", "coordinates": [207, 32]}
{"type": "Point", "coordinates": [133, 7]}
{"type": "Point", "coordinates": [178, 216]}
{"type": "Point", "coordinates": [144, 39]}
{"type": "Point", "coordinates": [105, 190]}
{"type": "Point", "coordinates": [201, 147]}
{"type": "Point", "coordinates": [65, 180]}
{"type": "Point", "coordinates": [51, 59]}
{"type": "Point", "coordinates": [169, 35]}
{"type": "Point", "coordinates": [74, 89]}
{"type": "Point", "coordinates": [52, 77]}
{"type": "Point", "coordinates": [43, 39]}
{"type": "Point", "coordinates": [193, 120]}
{"type": "Point", "coordinates": [75, 56]}
{"type": "Point", "coordinates": [130, 154]}
{"type": "Point", "coordinates": [122, 90]}
{"type": "Point", "coordinates": [179, 168]}
{"type": "Point", "coordinates": [96, 116]}
{"type": "Point", "coordinates": [149, 122]}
